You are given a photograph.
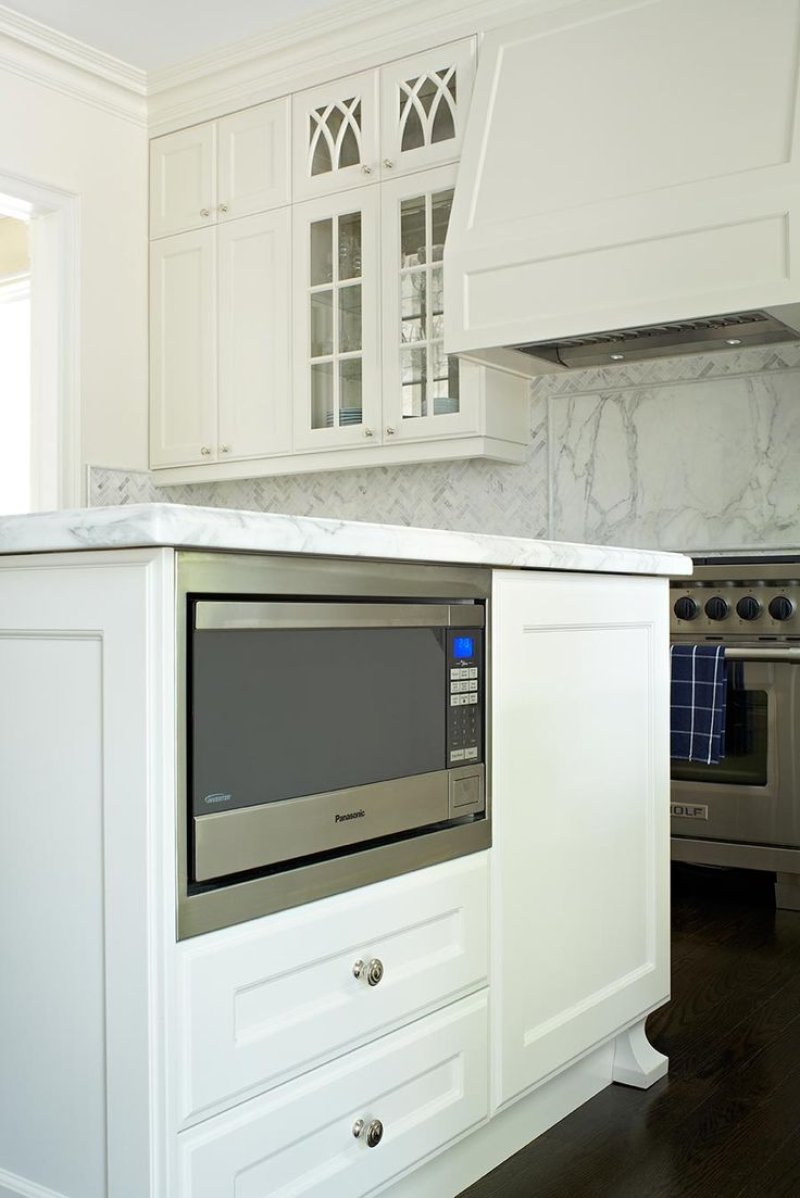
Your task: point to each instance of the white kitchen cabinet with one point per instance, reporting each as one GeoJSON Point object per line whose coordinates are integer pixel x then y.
{"type": "Point", "coordinates": [404, 116]}
{"type": "Point", "coordinates": [335, 136]}
{"type": "Point", "coordinates": [369, 364]}
{"type": "Point", "coordinates": [424, 104]}
{"type": "Point", "coordinates": [580, 688]}
{"type": "Point", "coordinates": [219, 342]}
{"type": "Point", "coordinates": [183, 348]}
{"type": "Point", "coordinates": [336, 272]}
{"type": "Point", "coordinates": [279, 996]}
{"type": "Point", "coordinates": [220, 170]}
{"type": "Point", "coordinates": [418, 1089]}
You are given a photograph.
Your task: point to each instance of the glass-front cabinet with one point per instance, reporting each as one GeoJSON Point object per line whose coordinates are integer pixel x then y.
{"type": "Point", "coordinates": [337, 303]}
{"type": "Point", "coordinates": [422, 394]}
{"type": "Point", "coordinates": [405, 116]}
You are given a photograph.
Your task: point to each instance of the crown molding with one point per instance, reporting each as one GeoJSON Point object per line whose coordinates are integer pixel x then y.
{"type": "Point", "coordinates": [354, 36]}
{"type": "Point", "coordinates": [36, 52]}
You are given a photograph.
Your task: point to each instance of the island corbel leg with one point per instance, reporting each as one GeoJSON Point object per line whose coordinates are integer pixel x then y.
{"type": "Point", "coordinates": [636, 1062]}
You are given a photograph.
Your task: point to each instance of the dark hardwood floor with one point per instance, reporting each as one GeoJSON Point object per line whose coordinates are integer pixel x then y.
{"type": "Point", "coordinates": [725, 1123]}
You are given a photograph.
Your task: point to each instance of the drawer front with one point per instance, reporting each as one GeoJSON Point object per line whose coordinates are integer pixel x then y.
{"type": "Point", "coordinates": [426, 1084]}
{"type": "Point", "coordinates": [265, 1001]}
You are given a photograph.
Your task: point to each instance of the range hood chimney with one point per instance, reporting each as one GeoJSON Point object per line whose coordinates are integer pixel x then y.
{"type": "Point", "coordinates": [629, 185]}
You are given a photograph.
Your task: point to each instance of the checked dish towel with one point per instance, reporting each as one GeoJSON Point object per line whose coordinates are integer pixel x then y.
{"type": "Point", "coordinates": [697, 703]}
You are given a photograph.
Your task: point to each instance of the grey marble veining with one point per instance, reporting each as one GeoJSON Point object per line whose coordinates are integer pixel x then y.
{"type": "Point", "coordinates": [215, 528]}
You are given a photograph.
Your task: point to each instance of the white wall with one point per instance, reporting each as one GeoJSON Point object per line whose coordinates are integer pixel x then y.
{"type": "Point", "coordinates": [56, 140]}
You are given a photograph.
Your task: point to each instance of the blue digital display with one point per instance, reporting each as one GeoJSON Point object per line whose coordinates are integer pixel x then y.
{"type": "Point", "coordinates": [464, 646]}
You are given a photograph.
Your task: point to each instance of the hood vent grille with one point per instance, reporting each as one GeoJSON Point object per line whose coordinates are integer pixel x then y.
{"type": "Point", "coordinates": [734, 330]}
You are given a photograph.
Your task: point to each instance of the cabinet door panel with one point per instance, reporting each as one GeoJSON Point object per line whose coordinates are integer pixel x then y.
{"type": "Point", "coordinates": [337, 321]}
{"type": "Point", "coordinates": [254, 160]}
{"type": "Point", "coordinates": [335, 136]}
{"type": "Point", "coordinates": [426, 1084]}
{"type": "Point", "coordinates": [278, 997]}
{"type": "Point", "coordinates": [254, 335]}
{"type": "Point", "coordinates": [581, 813]}
{"type": "Point", "coordinates": [183, 180]}
{"type": "Point", "coordinates": [424, 105]}
{"type": "Point", "coordinates": [183, 354]}
{"type": "Point", "coordinates": [422, 396]}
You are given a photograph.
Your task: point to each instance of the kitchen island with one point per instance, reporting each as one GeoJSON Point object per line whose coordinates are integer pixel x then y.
{"type": "Point", "coordinates": [240, 1062]}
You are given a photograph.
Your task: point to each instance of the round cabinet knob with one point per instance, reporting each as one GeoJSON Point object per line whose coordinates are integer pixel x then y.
{"type": "Point", "coordinates": [371, 1133]}
{"type": "Point", "coordinates": [387, 162]}
{"type": "Point", "coordinates": [780, 608]}
{"type": "Point", "coordinates": [205, 211]}
{"type": "Point", "coordinates": [224, 448]}
{"type": "Point", "coordinates": [372, 971]}
{"type": "Point", "coordinates": [390, 432]}
{"type": "Point", "coordinates": [205, 451]}
{"type": "Point", "coordinates": [717, 608]}
{"type": "Point", "coordinates": [368, 432]}
{"type": "Point", "coordinates": [223, 207]}
{"type": "Point", "coordinates": [686, 608]}
{"type": "Point", "coordinates": [748, 607]}
{"type": "Point", "coordinates": [366, 170]}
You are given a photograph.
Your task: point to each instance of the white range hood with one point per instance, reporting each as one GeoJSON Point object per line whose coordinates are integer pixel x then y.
{"type": "Point", "coordinates": [628, 167]}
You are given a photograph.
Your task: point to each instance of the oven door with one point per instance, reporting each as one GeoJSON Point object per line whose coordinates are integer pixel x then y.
{"type": "Point", "coordinates": [751, 796]}
{"type": "Point", "coordinates": [318, 726]}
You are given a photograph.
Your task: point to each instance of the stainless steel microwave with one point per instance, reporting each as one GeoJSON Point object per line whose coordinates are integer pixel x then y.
{"type": "Point", "coordinates": [332, 724]}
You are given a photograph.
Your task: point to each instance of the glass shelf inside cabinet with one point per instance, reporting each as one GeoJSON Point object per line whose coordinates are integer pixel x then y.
{"type": "Point", "coordinates": [336, 329]}
{"type": "Point", "coordinates": [429, 378]}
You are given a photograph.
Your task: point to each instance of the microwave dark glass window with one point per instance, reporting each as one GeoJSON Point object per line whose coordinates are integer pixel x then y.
{"type": "Point", "coordinates": [279, 714]}
{"type": "Point", "coordinates": [745, 761]}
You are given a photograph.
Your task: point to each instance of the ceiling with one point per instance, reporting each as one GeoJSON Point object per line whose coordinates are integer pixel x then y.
{"type": "Point", "coordinates": [150, 34]}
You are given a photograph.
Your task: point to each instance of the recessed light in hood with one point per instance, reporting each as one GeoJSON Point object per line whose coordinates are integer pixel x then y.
{"type": "Point", "coordinates": [663, 340]}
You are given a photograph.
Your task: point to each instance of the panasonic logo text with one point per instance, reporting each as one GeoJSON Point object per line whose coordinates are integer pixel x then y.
{"type": "Point", "coordinates": [340, 819]}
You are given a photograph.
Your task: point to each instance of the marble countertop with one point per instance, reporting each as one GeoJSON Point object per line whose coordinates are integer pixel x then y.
{"type": "Point", "coordinates": [151, 524]}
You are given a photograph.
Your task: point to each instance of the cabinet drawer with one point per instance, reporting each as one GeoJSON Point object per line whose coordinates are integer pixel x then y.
{"type": "Point", "coordinates": [426, 1084]}
{"type": "Point", "coordinates": [265, 1001]}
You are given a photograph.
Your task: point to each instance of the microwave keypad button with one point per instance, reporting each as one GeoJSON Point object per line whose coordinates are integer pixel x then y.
{"type": "Point", "coordinates": [472, 672]}
{"type": "Point", "coordinates": [470, 686]}
{"type": "Point", "coordinates": [460, 754]}
{"type": "Point", "coordinates": [470, 754]}
{"type": "Point", "coordinates": [469, 698]}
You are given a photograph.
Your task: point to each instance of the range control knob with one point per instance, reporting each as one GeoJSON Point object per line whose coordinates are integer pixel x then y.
{"type": "Point", "coordinates": [686, 608]}
{"type": "Point", "coordinates": [781, 608]}
{"type": "Point", "coordinates": [748, 607]}
{"type": "Point", "coordinates": [717, 608]}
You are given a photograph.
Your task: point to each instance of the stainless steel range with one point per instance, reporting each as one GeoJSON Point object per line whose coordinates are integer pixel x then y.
{"type": "Point", "coordinates": [745, 811]}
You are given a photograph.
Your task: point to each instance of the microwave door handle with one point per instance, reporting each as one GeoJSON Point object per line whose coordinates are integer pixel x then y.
{"type": "Point", "coordinates": [776, 654]}
{"type": "Point", "coordinates": [211, 615]}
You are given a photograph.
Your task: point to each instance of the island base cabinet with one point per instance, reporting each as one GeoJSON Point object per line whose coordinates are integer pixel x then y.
{"type": "Point", "coordinates": [410, 1094]}
{"type": "Point", "coordinates": [581, 825]}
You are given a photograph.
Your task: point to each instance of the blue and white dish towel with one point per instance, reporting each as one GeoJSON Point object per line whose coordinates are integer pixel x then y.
{"type": "Point", "coordinates": [698, 703]}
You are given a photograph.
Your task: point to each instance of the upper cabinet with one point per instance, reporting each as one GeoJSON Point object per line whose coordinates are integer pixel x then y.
{"type": "Point", "coordinates": [221, 170]}
{"type": "Point", "coordinates": [405, 116]}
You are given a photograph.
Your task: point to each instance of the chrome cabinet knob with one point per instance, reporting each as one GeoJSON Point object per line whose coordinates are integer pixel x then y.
{"type": "Point", "coordinates": [368, 432]}
{"type": "Point", "coordinates": [372, 971]}
{"type": "Point", "coordinates": [205, 212]}
{"type": "Point", "coordinates": [224, 448]}
{"type": "Point", "coordinates": [223, 207]}
{"type": "Point", "coordinates": [371, 1133]}
{"type": "Point", "coordinates": [366, 170]}
{"type": "Point", "coordinates": [390, 431]}
{"type": "Point", "coordinates": [387, 162]}
{"type": "Point", "coordinates": [205, 451]}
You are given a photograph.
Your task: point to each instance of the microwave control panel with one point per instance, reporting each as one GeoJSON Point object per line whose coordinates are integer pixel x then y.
{"type": "Point", "coordinates": [465, 696]}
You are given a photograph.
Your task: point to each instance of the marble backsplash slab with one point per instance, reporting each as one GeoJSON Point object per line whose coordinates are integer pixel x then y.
{"type": "Point", "coordinates": [697, 452]}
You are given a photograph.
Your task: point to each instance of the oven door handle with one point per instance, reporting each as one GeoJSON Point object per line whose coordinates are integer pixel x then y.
{"type": "Point", "coordinates": [782, 654]}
